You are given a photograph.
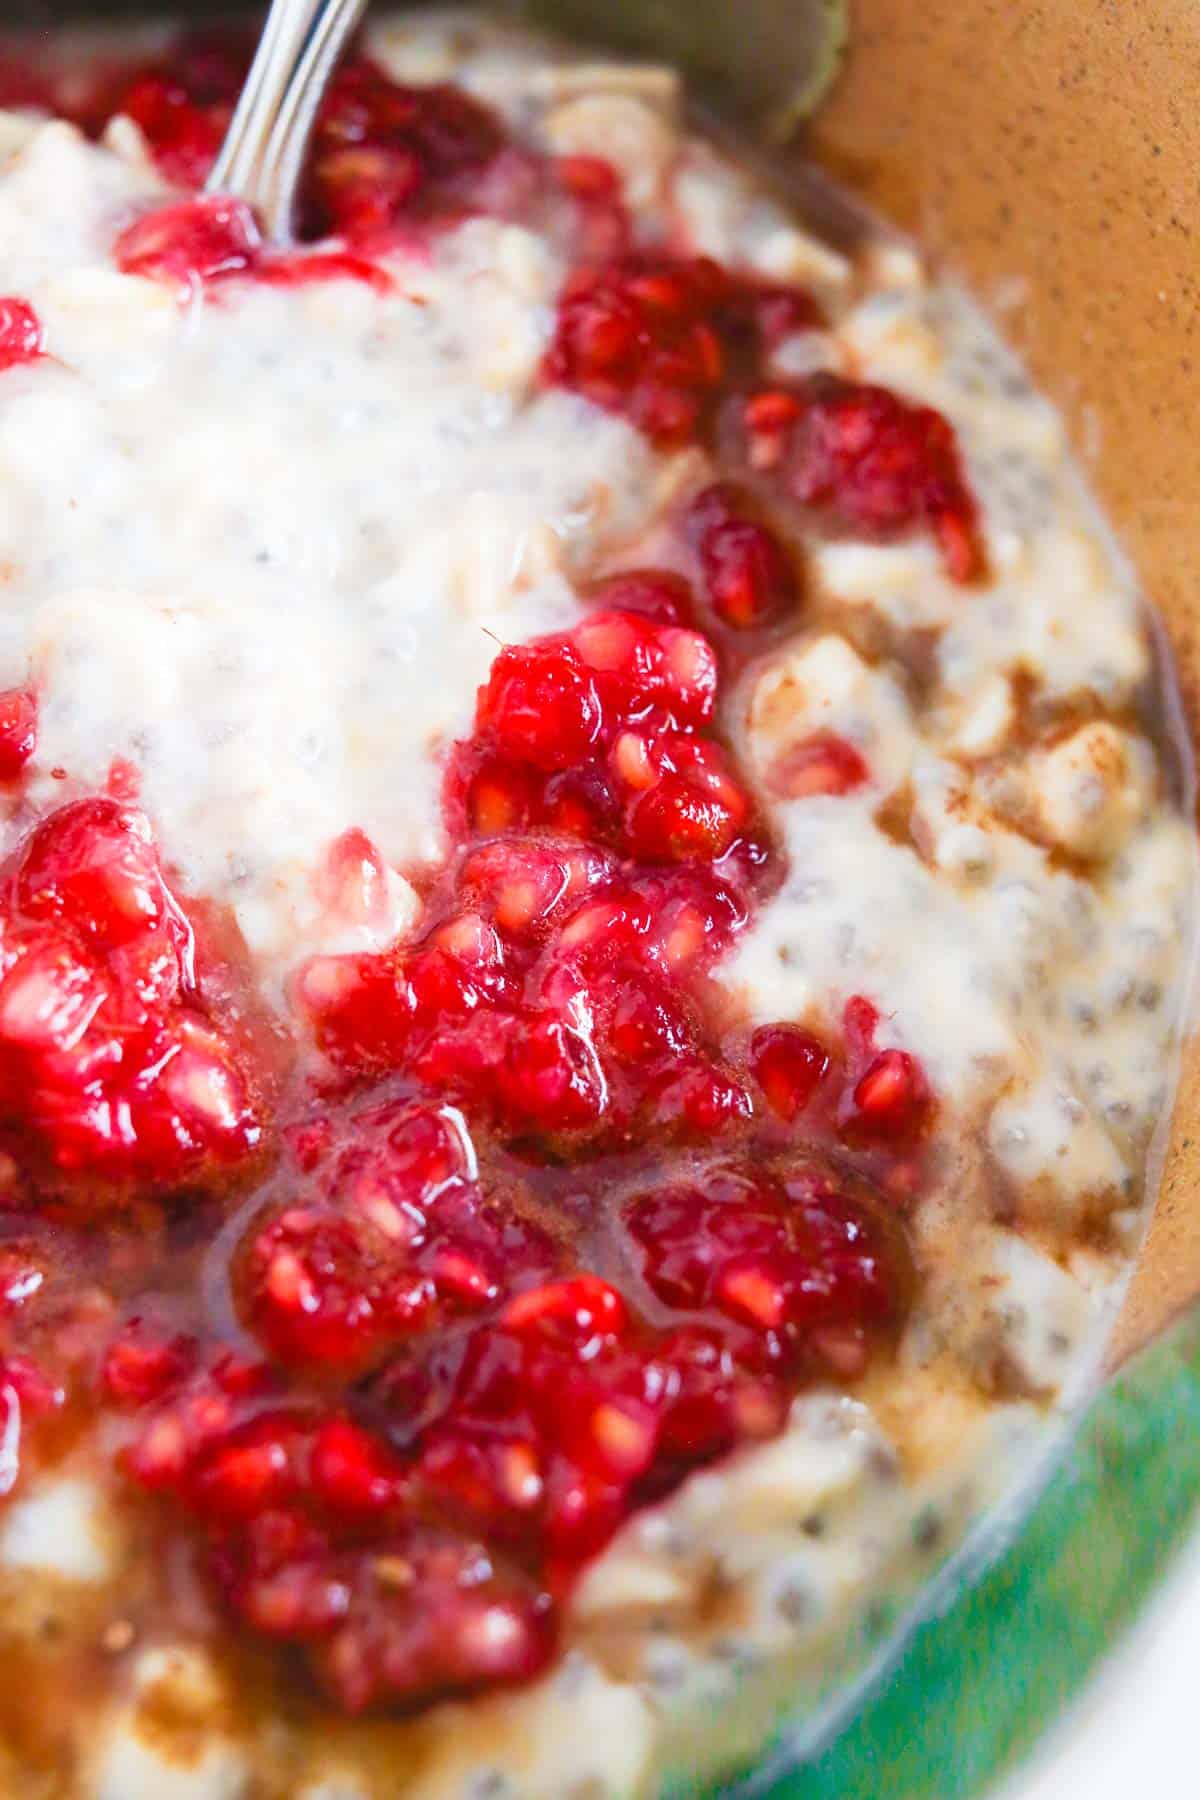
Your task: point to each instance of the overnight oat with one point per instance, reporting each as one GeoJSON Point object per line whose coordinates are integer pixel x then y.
{"type": "Point", "coordinates": [594, 903]}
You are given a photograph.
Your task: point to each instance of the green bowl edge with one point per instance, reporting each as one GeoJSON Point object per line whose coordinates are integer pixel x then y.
{"type": "Point", "coordinates": [978, 1684]}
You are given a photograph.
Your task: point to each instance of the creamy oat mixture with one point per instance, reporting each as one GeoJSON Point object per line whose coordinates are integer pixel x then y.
{"type": "Point", "coordinates": [259, 547]}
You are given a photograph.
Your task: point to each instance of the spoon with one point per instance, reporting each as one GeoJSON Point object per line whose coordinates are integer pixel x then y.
{"type": "Point", "coordinates": [263, 153]}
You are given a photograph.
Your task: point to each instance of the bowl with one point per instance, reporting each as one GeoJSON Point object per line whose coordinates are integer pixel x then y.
{"type": "Point", "coordinates": [1047, 156]}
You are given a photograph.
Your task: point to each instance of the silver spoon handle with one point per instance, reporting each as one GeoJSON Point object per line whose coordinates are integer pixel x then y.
{"type": "Point", "coordinates": [264, 148]}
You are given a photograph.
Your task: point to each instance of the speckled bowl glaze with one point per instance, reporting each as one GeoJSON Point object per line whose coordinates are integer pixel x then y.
{"type": "Point", "coordinates": [1048, 154]}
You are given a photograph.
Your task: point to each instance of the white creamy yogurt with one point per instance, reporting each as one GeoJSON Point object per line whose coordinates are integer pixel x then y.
{"type": "Point", "coordinates": [265, 547]}
{"type": "Point", "coordinates": [56, 1528]}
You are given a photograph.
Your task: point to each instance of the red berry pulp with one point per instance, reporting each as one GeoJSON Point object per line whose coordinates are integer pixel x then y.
{"type": "Point", "coordinates": [20, 333]}
{"type": "Point", "coordinates": [112, 1060]}
{"type": "Point", "coordinates": [869, 461]}
{"type": "Point", "coordinates": [18, 730]}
